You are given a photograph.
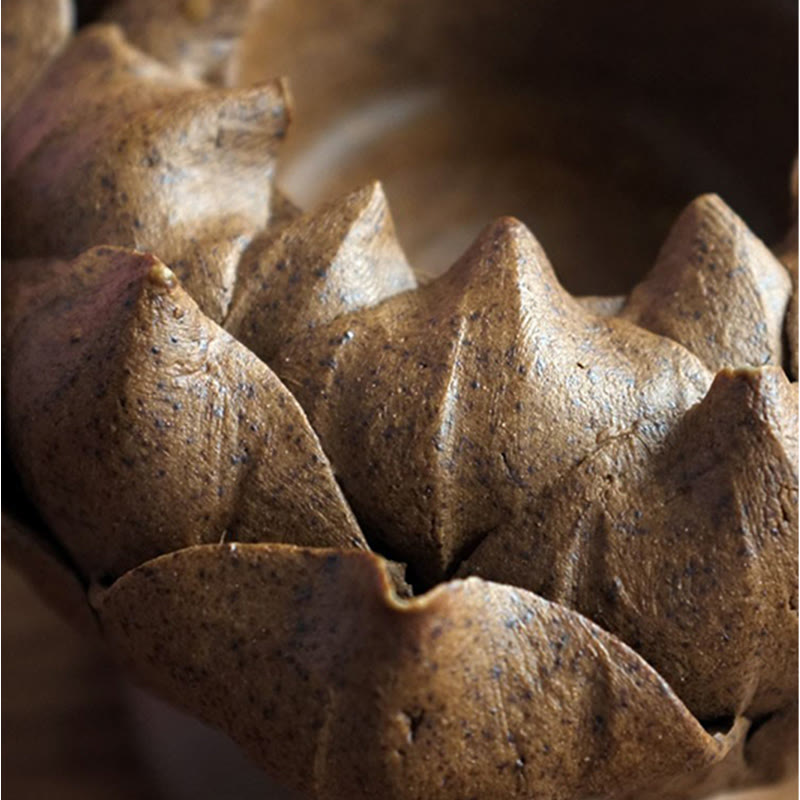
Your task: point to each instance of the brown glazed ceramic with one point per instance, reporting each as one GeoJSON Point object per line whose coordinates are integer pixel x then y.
{"type": "Point", "coordinates": [183, 435]}
{"type": "Point", "coordinates": [239, 427]}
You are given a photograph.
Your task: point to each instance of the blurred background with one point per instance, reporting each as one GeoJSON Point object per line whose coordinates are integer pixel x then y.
{"type": "Point", "coordinates": [593, 123]}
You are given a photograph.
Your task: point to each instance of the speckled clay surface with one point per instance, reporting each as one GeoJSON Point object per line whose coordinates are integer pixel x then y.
{"type": "Point", "coordinates": [241, 427]}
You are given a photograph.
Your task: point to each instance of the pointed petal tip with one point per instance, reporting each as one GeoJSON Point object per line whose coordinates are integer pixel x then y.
{"type": "Point", "coordinates": [706, 206]}
{"type": "Point", "coordinates": [762, 396]}
{"type": "Point", "coordinates": [161, 276]}
{"type": "Point", "coordinates": [268, 106]}
{"type": "Point", "coordinates": [360, 199]}
{"type": "Point", "coordinates": [504, 236]}
{"type": "Point", "coordinates": [755, 379]}
{"type": "Point", "coordinates": [507, 246]}
{"type": "Point", "coordinates": [508, 229]}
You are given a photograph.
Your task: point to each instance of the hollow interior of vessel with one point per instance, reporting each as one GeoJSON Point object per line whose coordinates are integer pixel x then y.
{"type": "Point", "coordinates": [593, 123]}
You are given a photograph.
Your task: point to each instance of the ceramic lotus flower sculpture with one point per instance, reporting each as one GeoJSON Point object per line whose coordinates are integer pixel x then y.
{"type": "Point", "coordinates": [229, 441]}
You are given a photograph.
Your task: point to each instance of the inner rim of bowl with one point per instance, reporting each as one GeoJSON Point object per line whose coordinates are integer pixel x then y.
{"type": "Point", "coordinates": [594, 123]}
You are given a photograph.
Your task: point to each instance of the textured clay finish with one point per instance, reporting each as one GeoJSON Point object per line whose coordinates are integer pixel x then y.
{"type": "Point", "coordinates": [182, 435]}
{"type": "Point", "coordinates": [340, 258]}
{"type": "Point", "coordinates": [716, 289]}
{"type": "Point", "coordinates": [687, 552]}
{"type": "Point", "coordinates": [123, 151]}
{"type": "Point", "coordinates": [33, 33]}
{"type": "Point", "coordinates": [447, 411]}
{"type": "Point", "coordinates": [472, 690]}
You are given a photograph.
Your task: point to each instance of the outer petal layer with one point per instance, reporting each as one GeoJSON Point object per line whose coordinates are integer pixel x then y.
{"type": "Point", "coordinates": [337, 687]}
{"type": "Point", "coordinates": [139, 426]}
